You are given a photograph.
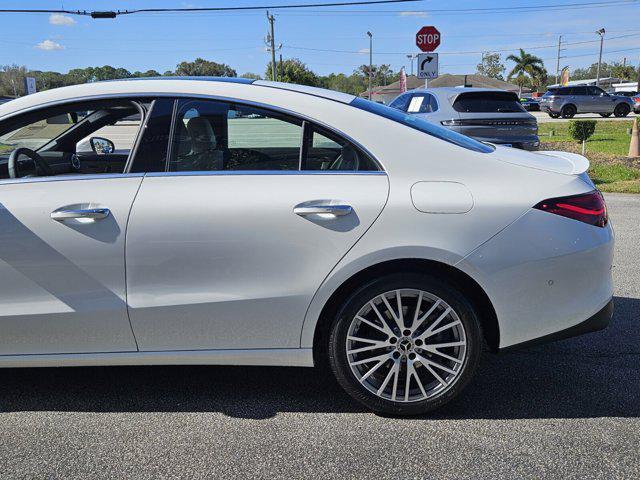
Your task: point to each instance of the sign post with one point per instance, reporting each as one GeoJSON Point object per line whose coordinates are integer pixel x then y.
{"type": "Point", "coordinates": [29, 85]}
{"type": "Point", "coordinates": [428, 39]}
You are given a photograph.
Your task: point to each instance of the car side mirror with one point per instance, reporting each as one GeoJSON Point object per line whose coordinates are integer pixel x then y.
{"type": "Point", "coordinates": [102, 146]}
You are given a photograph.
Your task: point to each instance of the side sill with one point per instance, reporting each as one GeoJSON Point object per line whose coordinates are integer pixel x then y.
{"type": "Point", "coordinates": [594, 323]}
{"type": "Point", "coordinates": [277, 357]}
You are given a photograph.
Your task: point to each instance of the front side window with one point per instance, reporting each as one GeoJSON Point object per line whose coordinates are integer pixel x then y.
{"type": "Point", "coordinates": [89, 137]}
{"type": "Point", "coordinates": [212, 136]}
{"type": "Point", "coordinates": [38, 133]}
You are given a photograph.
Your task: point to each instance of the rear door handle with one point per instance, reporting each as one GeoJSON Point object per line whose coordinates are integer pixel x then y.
{"type": "Point", "coordinates": [91, 213]}
{"type": "Point", "coordinates": [336, 210]}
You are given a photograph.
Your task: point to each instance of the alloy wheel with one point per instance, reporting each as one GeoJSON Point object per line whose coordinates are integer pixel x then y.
{"type": "Point", "coordinates": [406, 345]}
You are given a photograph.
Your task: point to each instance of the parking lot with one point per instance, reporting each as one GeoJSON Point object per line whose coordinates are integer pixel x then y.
{"type": "Point", "coordinates": [564, 410]}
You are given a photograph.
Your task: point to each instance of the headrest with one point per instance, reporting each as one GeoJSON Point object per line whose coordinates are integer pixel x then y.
{"type": "Point", "coordinates": [202, 137]}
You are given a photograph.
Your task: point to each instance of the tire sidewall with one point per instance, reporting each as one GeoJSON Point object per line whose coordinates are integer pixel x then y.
{"type": "Point", "coordinates": [568, 111]}
{"type": "Point", "coordinates": [621, 110]}
{"type": "Point", "coordinates": [443, 289]}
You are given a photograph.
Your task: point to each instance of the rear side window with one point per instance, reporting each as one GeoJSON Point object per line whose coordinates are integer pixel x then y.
{"type": "Point", "coordinates": [488, 102]}
{"type": "Point", "coordinates": [422, 103]}
{"type": "Point", "coordinates": [213, 136]}
{"type": "Point", "coordinates": [324, 150]}
{"type": "Point", "coordinates": [418, 123]}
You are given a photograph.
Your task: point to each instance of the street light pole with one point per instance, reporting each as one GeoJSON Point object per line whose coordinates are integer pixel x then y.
{"type": "Point", "coordinates": [601, 33]}
{"type": "Point", "coordinates": [411, 57]}
{"type": "Point", "coordinates": [370, 60]}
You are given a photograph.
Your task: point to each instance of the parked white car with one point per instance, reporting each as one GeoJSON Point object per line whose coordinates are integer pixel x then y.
{"type": "Point", "coordinates": [258, 223]}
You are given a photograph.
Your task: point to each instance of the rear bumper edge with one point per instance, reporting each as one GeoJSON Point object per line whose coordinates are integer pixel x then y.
{"type": "Point", "coordinates": [599, 321]}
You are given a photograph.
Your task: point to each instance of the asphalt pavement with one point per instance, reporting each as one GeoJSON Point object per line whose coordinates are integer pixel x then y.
{"type": "Point", "coordinates": [565, 410]}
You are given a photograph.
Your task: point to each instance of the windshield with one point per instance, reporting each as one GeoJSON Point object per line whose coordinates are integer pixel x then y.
{"type": "Point", "coordinates": [39, 133]}
{"type": "Point", "coordinates": [422, 125]}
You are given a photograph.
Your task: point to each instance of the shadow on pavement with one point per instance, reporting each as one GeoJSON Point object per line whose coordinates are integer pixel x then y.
{"type": "Point", "coordinates": [597, 375]}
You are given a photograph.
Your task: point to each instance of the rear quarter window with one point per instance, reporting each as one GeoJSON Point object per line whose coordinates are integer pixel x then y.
{"type": "Point", "coordinates": [486, 102]}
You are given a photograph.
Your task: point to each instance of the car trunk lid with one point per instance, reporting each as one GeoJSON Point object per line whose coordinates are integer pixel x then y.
{"type": "Point", "coordinates": [550, 161]}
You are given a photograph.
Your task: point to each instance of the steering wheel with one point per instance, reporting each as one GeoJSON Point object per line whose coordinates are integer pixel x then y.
{"type": "Point", "coordinates": [37, 160]}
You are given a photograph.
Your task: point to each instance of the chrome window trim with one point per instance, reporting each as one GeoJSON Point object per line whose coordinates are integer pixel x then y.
{"type": "Point", "coordinates": [67, 178]}
{"type": "Point", "coordinates": [205, 173]}
{"type": "Point", "coordinates": [152, 95]}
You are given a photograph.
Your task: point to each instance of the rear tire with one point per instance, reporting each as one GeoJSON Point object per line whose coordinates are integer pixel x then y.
{"type": "Point", "coordinates": [622, 110]}
{"type": "Point", "coordinates": [365, 329]}
{"type": "Point", "coordinates": [568, 111]}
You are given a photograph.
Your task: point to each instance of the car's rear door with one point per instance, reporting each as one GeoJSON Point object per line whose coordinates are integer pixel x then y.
{"type": "Point", "coordinates": [228, 256]}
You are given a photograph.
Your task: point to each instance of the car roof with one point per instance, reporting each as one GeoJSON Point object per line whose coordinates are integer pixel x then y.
{"type": "Point", "coordinates": [148, 86]}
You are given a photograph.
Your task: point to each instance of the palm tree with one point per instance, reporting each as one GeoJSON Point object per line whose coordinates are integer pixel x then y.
{"type": "Point", "coordinates": [527, 67]}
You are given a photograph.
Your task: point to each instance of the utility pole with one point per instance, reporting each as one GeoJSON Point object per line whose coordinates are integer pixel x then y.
{"type": "Point", "coordinates": [638, 89]}
{"type": "Point", "coordinates": [370, 60]}
{"type": "Point", "coordinates": [558, 62]}
{"type": "Point", "coordinates": [273, 47]}
{"type": "Point", "coordinates": [600, 32]}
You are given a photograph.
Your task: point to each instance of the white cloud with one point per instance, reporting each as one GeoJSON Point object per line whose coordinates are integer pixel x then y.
{"type": "Point", "coordinates": [58, 19]}
{"type": "Point", "coordinates": [413, 13]}
{"type": "Point", "coordinates": [363, 50]}
{"type": "Point", "coordinates": [49, 45]}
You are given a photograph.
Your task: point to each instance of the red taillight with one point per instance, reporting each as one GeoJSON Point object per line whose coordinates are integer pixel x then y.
{"type": "Point", "coordinates": [587, 207]}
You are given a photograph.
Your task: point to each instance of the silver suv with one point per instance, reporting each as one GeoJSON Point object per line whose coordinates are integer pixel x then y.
{"type": "Point", "coordinates": [565, 102]}
{"type": "Point", "coordinates": [488, 115]}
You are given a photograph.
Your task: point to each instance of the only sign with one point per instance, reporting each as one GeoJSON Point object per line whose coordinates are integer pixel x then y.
{"type": "Point", "coordinates": [428, 39]}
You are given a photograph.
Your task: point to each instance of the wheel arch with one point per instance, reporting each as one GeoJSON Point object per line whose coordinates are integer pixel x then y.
{"type": "Point", "coordinates": [480, 300]}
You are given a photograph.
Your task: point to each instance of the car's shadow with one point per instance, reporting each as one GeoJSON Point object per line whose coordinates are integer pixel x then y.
{"type": "Point", "coordinates": [597, 375]}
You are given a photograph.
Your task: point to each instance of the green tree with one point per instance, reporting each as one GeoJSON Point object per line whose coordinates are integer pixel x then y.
{"type": "Point", "coordinates": [526, 67]}
{"type": "Point", "coordinates": [294, 70]}
{"type": "Point", "coordinates": [201, 67]}
{"type": "Point", "coordinates": [253, 76]}
{"type": "Point", "coordinates": [591, 71]}
{"type": "Point", "coordinates": [491, 66]}
{"type": "Point", "coordinates": [624, 72]}
{"type": "Point", "coordinates": [12, 79]}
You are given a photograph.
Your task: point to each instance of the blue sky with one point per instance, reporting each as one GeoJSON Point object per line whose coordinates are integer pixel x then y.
{"type": "Point", "coordinates": [146, 41]}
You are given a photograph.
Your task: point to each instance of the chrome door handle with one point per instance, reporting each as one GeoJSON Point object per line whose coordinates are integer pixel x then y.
{"type": "Point", "coordinates": [336, 210]}
{"type": "Point", "coordinates": [92, 213]}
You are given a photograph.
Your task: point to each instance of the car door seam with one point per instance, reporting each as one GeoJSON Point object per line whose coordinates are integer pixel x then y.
{"type": "Point", "coordinates": [126, 284]}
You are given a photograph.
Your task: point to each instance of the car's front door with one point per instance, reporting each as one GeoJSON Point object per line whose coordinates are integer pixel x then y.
{"type": "Point", "coordinates": [227, 248]}
{"type": "Point", "coordinates": [62, 275]}
{"type": "Point", "coordinates": [62, 280]}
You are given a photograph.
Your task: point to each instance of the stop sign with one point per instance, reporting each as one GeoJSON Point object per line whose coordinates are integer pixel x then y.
{"type": "Point", "coordinates": [428, 39]}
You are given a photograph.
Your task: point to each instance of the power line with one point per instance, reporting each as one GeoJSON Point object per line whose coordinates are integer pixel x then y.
{"type": "Point", "coordinates": [504, 50]}
{"type": "Point", "coordinates": [475, 11]}
{"type": "Point", "coordinates": [114, 13]}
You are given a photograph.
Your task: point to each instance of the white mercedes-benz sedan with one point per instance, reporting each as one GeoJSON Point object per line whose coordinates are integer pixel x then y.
{"type": "Point", "coordinates": [239, 222]}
